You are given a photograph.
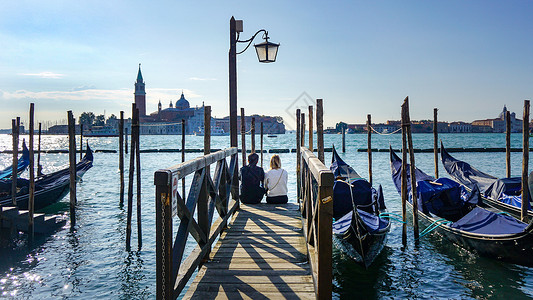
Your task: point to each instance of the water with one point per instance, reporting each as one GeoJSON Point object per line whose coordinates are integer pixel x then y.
{"type": "Point", "coordinates": [92, 261]}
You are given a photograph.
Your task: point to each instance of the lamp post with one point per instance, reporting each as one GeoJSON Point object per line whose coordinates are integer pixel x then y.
{"type": "Point", "coordinates": [266, 53]}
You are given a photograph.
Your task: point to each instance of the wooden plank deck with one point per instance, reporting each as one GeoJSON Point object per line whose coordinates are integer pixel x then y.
{"type": "Point", "coordinates": [262, 255]}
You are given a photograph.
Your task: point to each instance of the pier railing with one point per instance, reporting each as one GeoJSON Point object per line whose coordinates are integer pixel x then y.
{"type": "Point", "coordinates": [315, 189]}
{"type": "Point", "coordinates": [205, 194]}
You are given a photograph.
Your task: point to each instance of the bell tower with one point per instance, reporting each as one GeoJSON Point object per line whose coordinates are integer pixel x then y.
{"type": "Point", "coordinates": [140, 94]}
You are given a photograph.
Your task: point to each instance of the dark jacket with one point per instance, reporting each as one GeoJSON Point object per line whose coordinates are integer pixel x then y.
{"type": "Point", "coordinates": [252, 178]}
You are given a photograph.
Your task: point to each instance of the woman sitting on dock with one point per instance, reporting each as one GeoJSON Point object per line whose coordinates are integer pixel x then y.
{"type": "Point", "coordinates": [252, 176]}
{"type": "Point", "coordinates": [276, 182]}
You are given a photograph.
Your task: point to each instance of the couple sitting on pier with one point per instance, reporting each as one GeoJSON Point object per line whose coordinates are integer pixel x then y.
{"type": "Point", "coordinates": [256, 183]}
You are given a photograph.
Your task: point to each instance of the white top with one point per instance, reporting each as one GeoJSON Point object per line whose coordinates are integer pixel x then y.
{"type": "Point", "coordinates": [276, 182]}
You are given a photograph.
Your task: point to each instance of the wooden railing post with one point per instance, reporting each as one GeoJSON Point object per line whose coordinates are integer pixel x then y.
{"type": "Point", "coordinates": [311, 128]}
{"type": "Point", "coordinates": [324, 247]}
{"type": "Point", "coordinates": [302, 127]}
{"type": "Point", "coordinates": [298, 154]}
{"type": "Point", "coordinates": [163, 212]}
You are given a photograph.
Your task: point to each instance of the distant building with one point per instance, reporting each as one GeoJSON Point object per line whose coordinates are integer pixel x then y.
{"type": "Point", "coordinates": [499, 124]}
{"type": "Point", "coordinates": [460, 127]}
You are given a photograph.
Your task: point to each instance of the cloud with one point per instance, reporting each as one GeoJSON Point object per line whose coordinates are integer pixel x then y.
{"type": "Point", "coordinates": [201, 79]}
{"type": "Point", "coordinates": [48, 75]}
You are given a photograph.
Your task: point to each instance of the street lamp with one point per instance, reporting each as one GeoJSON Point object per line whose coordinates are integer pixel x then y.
{"type": "Point", "coordinates": [266, 53]}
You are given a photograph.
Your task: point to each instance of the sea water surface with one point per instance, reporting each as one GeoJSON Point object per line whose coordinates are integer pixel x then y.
{"type": "Point", "coordinates": [91, 261]}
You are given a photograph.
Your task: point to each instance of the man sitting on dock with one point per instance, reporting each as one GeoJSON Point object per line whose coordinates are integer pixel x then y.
{"type": "Point", "coordinates": [252, 176]}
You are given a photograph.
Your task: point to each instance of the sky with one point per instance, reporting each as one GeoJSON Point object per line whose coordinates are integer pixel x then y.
{"type": "Point", "coordinates": [466, 58]}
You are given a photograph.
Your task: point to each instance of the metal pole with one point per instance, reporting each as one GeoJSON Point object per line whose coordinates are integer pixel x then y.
{"type": "Point", "coordinates": [233, 83]}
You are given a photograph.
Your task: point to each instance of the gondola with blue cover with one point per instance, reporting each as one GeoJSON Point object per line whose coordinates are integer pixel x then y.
{"type": "Point", "coordinates": [22, 163]}
{"type": "Point", "coordinates": [49, 188]}
{"type": "Point", "coordinates": [358, 229]}
{"type": "Point", "coordinates": [502, 193]}
{"type": "Point", "coordinates": [462, 218]}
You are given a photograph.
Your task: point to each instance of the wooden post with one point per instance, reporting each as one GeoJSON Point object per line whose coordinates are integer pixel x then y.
{"type": "Point", "coordinates": [508, 144]}
{"type": "Point", "coordinates": [298, 150]}
{"type": "Point", "coordinates": [525, 162]}
{"type": "Point", "coordinates": [302, 131]}
{"type": "Point", "coordinates": [343, 138]}
{"type": "Point", "coordinates": [369, 144]}
{"type": "Point", "coordinates": [243, 137]}
{"type": "Point", "coordinates": [164, 236]}
{"type": "Point", "coordinates": [183, 196]}
{"type": "Point", "coordinates": [39, 167]}
{"type": "Point", "coordinates": [31, 198]}
{"type": "Point", "coordinates": [412, 164]}
{"type": "Point", "coordinates": [121, 156]}
{"type": "Point", "coordinates": [130, 178]}
{"type": "Point", "coordinates": [311, 128]}
{"type": "Point", "coordinates": [202, 204]}
{"type": "Point", "coordinates": [72, 166]}
{"type": "Point", "coordinates": [81, 141]}
{"type": "Point", "coordinates": [320, 129]}
{"type": "Point", "coordinates": [126, 139]}
{"type": "Point", "coordinates": [252, 135]}
{"type": "Point", "coordinates": [404, 182]}
{"type": "Point", "coordinates": [14, 130]}
{"type": "Point", "coordinates": [325, 243]}
{"type": "Point", "coordinates": [435, 141]}
{"type": "Point", "coordinates": [138, 173]}
{"type": "Point", "coordinates": [261, 135]}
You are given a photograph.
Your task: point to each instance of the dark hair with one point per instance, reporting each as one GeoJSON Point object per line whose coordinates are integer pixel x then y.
{"type": "Point", "coordinates": [253, 158]}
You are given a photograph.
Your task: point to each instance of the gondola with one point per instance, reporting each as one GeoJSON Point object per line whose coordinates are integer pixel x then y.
{"type": "Point", "coordinates": [463, 219]}
{"type": "Point", "coordinates": [502, 193]}
{"type": "Point", "coordinates": [22, 163]}
{"type": "Point", "coordinates": [49, 188]}
{"type": "Point", "coordinates": [358, 229]}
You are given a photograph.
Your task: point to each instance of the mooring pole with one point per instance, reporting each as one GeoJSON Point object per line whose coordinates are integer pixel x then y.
{"type": "Point", "coordinates": [14, 132]}
{"type": "Point", "coordinates": [130, 178]}
{"type": "Point", "coordinates": [183, 196]}
{"type": "Point", "coordinates": [81, 141]}
{"type": "Point", "coordinates": [138, 173]}
{"type": "Point", "coordinates": [302, 131]}
{"type": "Point", "coordinates": [252, 135]}
{"type": "Point", "coordinates": [298, 150]}
{"type": "Point", "coordinates": [435, 142]}
{"type": "Point", "coordinates": [126, 139]}
{"type": "Point", "coordinates": [320, 129]}
{"type": "Point", "coordinates": [369, 145]}
{"type": "Point", "coordinates": [121, 156]}
{"type": "Point", "coordinates": [261, 138]}
{"type": "Point", "coordinates": [412, 163]}
{"type": "Point", "coordinates": [31, 198]}
{"type": "Point", "coordinates": [525, 162]}
{"type": "Point", "coordinates": [508, 144]}
{"type": "Point", "coordinates": [72, 166]}
{"type": "Point", "coordinates": [243, 137]}
{"type": "Point", "coordinates": [311, 128]}
{"type": "Point", "coordinates": [39, 167]}
{"type": "Point", "coordinates": [343, 138]}
{"type": "Point", "coordinates": [404, 181]}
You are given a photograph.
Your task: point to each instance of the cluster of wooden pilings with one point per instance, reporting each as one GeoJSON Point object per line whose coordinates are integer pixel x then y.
{"type": "Point", "coordinates": [407, 148]}
{"type": "Point", "coordinates": [13, 215]}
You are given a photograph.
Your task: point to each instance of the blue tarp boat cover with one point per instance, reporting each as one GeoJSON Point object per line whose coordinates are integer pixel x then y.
{"type": "Point", "coordinates": [491, 187]}
{"type": "Point", "coordinates": [482, 221]}
{"type": "Point", "coordinates": [342, 169]}
{"type": "Point", "coordinates": [371, 222]}
{"type": "Point", "coordinates": [361, 191]}
{"type": "Point", "coordinates": [22, 164]}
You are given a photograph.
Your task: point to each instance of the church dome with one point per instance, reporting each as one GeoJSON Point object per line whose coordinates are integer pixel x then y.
{"type": "Point", "coordinates": [182, 103]}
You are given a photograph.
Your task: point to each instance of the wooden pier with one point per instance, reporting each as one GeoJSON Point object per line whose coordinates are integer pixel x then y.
{"type": "Point", "coordinates": [262, 255]}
